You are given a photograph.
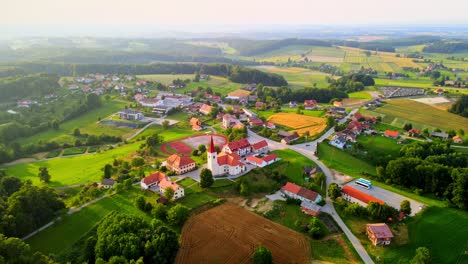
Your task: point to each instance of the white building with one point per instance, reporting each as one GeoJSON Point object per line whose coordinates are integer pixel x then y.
{"type": "Point", "coordinates": [225, 163]}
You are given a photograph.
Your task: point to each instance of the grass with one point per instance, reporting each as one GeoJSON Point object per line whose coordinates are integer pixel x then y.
{"type": "Point", "coordinates": [170, 134]}
{"type": "Point", "coordinates": [196, 199]}
{"type": "Point", "coordinates": [62, 235]}
{"type": "Point", "coordinates": [360, 95]}
{"type": "Point", "coordinates": [341, 161]}
{"type": "Point", "coordinates": [299, 77]}
{"type": "Point", "coordinates": [329, 250]}
{"type": "Point", "coordinates": [269, 112]}
{"type": "Point", "coordinates": [74, 151]}
{"type": "Point", "coordinates": [87, 123]}
{"type": "Point", "coordinates": [165, 79]}
{"type": "Point", "coordinates": [53, 153]}
{"type": "Point", "coordinates": [291, 165]}
{"type": "Point", "coordinates": [379, 145]}
{"type": "Point", "coordinates": [404, 110]}
{"type": "Point", "coordinates": [71, 170]}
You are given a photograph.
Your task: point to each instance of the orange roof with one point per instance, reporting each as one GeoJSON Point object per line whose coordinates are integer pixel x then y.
{"type": "Point", "coordinates": [165, 183]}
{"type": "Point", "coordinates": [260, 145]}
{"type": "Point", "coordinates": [255, 159]}
{"type": "Point", "coordinates": [270, 157]}
{"type": "Point", "coordinates": [291, 187]}
{"type": "Point", "coordinates": [229, 159]}
{"type": "Point", "coordinates": [195, 121]}
{"type": "Point", "coordinates": [238, 144]}
{"type": "Point", "coordinates": [177, 161]}
{"type": "Point", "coordinates": [391, 133]}
{"type": "Point", "coordinates": [361, 196]}
{"type": "Point", "coordinates": [206, 108]}
{"type": "Point", "coordinates": [337, 103]}
{"type": "Point", "coordinates": [155, 177]}
{"type": "Point", "coordinates": [457, 138]}
{"type": "Point", "coordinates": [238, 125]}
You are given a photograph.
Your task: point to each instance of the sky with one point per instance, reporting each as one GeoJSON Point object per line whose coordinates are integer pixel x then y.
{"type": "Point", "coordinates": [173, 13]}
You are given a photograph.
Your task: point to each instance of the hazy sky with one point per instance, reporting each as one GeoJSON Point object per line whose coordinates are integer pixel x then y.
{"type": "Point", "coordinates": [233, 12]}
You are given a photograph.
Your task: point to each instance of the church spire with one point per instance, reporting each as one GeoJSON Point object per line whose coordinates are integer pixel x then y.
{"type": "Point", "coordinates": [212, 148]}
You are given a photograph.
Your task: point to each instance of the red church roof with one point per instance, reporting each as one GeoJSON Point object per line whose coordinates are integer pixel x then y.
{"type": "Point", "coordinates": [212, 148]}
{"type": "Point", "coordinates": [361, 196]}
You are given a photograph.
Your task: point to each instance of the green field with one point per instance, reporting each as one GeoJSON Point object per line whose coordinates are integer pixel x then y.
{"type": "Point", "coordinates": [401, 111]}
{"type": "Point", "coordinates": [343, 162]}
{"type": "Point", "coordinates": [72, 170]}
{"type": "Point", "coordinates": [379, 145]}
{"type": "Point", "coordinates": [360, 95]}
{"type": "Point", "coordinates": [291, 165]}
{"type": "Point", "coordinates": [298, 77]}
{"type": "Point", "coordinates": [442, 230]}
{"type": "Point", "coordinates": [62, 235]}
{"type": "Point", "coordinates": [74, 151]}
{"type": "Point", "coordinates": [165, 79]}
{"type": "Point", "coordinates": [87, 123]}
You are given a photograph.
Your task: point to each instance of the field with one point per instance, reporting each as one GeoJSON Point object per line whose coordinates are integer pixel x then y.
{"type": "Point", "coordinates": [291, 165]}
{"type": "Point", "coordinates": [398, 112]}
{"type": "Point", "coordinates": [87, 123]}
{"type": "Point", "coordinates": [165, 79]}
{"type": "Point", "coordinates": [229, 234]}
{"type": "Point", "coordinates": [298, 77]}
{"type": "Point", "coordinates": [285, 109]}
{"type": "Point", "coordinates": [59, 237]}
{"type": "Point", "coordinates": [66, 171]}
{"type": "Point", "coordinates": [300, 123]}
{"type": "Point", "coordinates": [380, 145]}
{"type": "Point", "coordinates": [428, 229]}
{"type": "Point", "coordinates": [239, 93]}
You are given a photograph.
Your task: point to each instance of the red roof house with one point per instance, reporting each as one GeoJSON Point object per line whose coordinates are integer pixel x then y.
{"type": "Point", "coordinates": [261, 146]}
{"type": "Point", "coordinates": [379, 234]}
{"type": "Point", "coordinates": [391, 134]}
{"type": "Point", "coordinates": [206, 109]}
{"type": "Point", "coordinates": [180, 164]}
{"type": "Point", "coordinates": [298, 192]}
{"type": "Point", "coordinates": [241, 147]}
{"type": "Point", "coordinates": [310, 104]}
{"type": "Point", "coordinates": [353, 195]}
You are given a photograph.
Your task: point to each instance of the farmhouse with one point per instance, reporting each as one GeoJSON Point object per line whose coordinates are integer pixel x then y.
{"type": "Point", "coordinates": [439, 135]}
{"type": "Point", "coordinates": [260, 147]}
{"type": "Point", "coordinates": [457, 139]}
{"type": "Point", "coordinates": [240, 147]}
{"type": "Point", "coordinates": [355, 196]}
{"type": "Point", "coordinates": [255, 122]}
{"type": "Point", "coordinates": [288, 139]}
{"type": "Point", "coordinates": [310, 208]}
{"type": "Point", "coordinates": [107, 183]}
{"type": "Point", "coordinates": [260, 105]}
{"type": "Point", "coordinates": [379, 234]}
{"type": "Point", "coordinates": [238, 95]}
{"type": "Point", "coordinates": [206, 109]}
{"type": "Point", "coordinates": [338, 141]}
{"type": "Point", "coordinates": [225, 163]}
{"type": "Point", "coordinates": [249, 113]}
{"type": "Point", "coordinates": [130, 114]}
{"type": "Point", "coordinates": [180, 164]}
{"type": "Point", "coordinates": [158, 182]}
{"type": "Point", "coordinates": [414, 132]}
{"type": "Point", "coordinates": [269, 125]}
{"type": "Point", "coordinates": [196, 124]}
{"type": "Point", "coordinates": [338, 103]}
{"type": "Point", "coordinates": [298, 192]}
{"type": "Point", "coordinates": [138, 97]}
{"type": "Point", "coordinates": [391, 134]}
{"type": "Point", "coordinates": [310, 104]}
{"type": "Point", "coordinates": [292, 104]}
{"type": "Point", "coordinates": [262, 162]}
{"type": "Point", "coordinates": [149, 102]}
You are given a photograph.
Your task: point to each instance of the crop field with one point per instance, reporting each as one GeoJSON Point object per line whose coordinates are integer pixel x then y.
{"type": "Point", "coordinates": [239, 93]}
{"type": "Point", "coordinates": [66, 171]}
{"type": "Point", "coordinates": [216, 83]}
{"type": "Point", "coordinates": [412, 111]}
{"type": "Point", "coordinates": [301, 123]}
{"type": "Point", "coordinates": [229, 234]}
{"type": "Point", "coordinates": [298, 77]}
{"type": "Point", "coordinates": [353, 101]}
{"type": "Point", "coordinates": [165, 78]}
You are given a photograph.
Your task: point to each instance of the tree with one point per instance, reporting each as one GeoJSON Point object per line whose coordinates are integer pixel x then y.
{"type": "Point", "coordinates": [107, 171]}
{"type": "Point", "coordinates": [140, 202]}
{"type": "Point", "coordinates": [407, 126]}
{"type": "Point", "coordinates": [316, 229]}
{"type": "Point", "coordinates": [93, 101]}
{"type": "Point", "coordinates": [9, 185]}
{"type": "Point", "coordinates": [459, 188]}
{"type": "Point", "coordinates": [14, 250]}
{"type": "Point", "coordinates": [262, 255]}
{"type": "Point", "coordinates": [334, 191]}
{"type": "Point", "coordinates": [137, 162]}
{"type": "Point", "coordinates": [159, 211]}
{"type": "Point", "coordinates": [165, 124]}
{"type": "Point", "coordinates": [169, 193]}
{"type": "Point", "coordinates": [154, 140]}
{"type": "Point", "coordinates": [44, 174]}
{"type": "Point", "coordinates": [206, 178]}
{"type": "Point", "coordinates": [55, 124]}
{"type": "Point", "coordinates": [77, 132]}
{"type": "Point", "coordinates": [423, 256]}
{"type": "Point", "coordinates": [178, 214]}
{"type": "Point", "coordinates": [405, 207]}
{"type": "Point", "coordinates": [202, 148]}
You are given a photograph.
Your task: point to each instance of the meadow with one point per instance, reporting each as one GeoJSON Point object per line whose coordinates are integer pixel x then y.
{"type": "Point", "coordinates": [298, 77]}
{"type": "Point", "coordinates": [401, 111]}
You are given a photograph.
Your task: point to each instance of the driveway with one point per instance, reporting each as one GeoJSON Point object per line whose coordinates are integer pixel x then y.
{"type": "Point", "coordinates": [276, 196]}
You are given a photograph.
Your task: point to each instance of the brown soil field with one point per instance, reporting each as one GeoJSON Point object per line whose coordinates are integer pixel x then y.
{"type": "Point", "coordinates": [230, 234]}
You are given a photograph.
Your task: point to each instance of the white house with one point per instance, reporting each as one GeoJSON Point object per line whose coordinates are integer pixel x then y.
{"type": "Point", "coordinates": [158, 182]}
{"type": "Point", "coordinates": [298, 192]}
{"type": "Point", "coordinates": [240, 147]}
{"type": "Point", "coordinates": [130, 114]}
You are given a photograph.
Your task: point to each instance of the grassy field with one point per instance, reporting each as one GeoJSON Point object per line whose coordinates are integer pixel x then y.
{"type": "Point", "coordinates": [429, 229]}
{"type": "Point", "coordinates": [360, 95]}
{"type": "Point", "coordinates": [87, 123]}
{"type": "Point", "coordinates": [72, 170]}
{"type": "Point", "coordinates": [298, 77]}
{"type": "Point", "coordinates": [343, 162]}
{"type": "Point", "coordinates": [291, 165]}
{"type": "Point", "coordinates": [67, 231]}
{"type": "Point", "coordinates": [380, 145]}
{"type": "Point", "coordinates": [165, 79]}
{"type": "Point", "coordinates": [398, 112]}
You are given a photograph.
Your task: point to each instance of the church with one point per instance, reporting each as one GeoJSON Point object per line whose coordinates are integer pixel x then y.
{"type": "Point", "coordinates": [224, 163]}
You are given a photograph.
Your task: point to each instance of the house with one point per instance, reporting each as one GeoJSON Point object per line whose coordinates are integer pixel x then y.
{"type": "Point", "coordinates": [107, 183]}
{"type": "Point", "coordinates": [149, 102]}
{"type": "Point", "coordinates": [158, 182]}
{"type": "Point", "coordinates": [298, 192]}
{"type": "Point", "coordinates": [231, 121]}
{"type": "Point", "coordinates": [260, 105]}
{"type": "Point", "coordinates": [269, 159]}
{"type": "Point", "coordinates": [292, 104]}
{"type": "Point", "coordinates": [310, 208]}
{"type": "Point", "coordinates": [255, 122]}
{"type": "Point", "coordinates": [141, 82]}
{"type": "Point", "coordinates": [73, 87]}
{"type": "Point", "coordinates": [260, 147]}
{"type": "Point", "coordinates": [414, 132]}
{"type": "Point", "coordinates": [25, 103]}
{"type": "Point", "coordinates": [194, 108]}
{"type": "Point", "coordinates": [138, 97]}
{"type": "Point", "coordinates": [130, 114]}
{"type": "Point", "coordinates": [252, 98]}
{"type": "Point", "coordinates": [180, 164]}
{"type": "Point", "coordinates": [224, 163]}
{"type": "Point", "coordinates": [249, 113]}
{"type": "Point", "coordinates": [283, 133]}
{"type": "Point", "coordinates": [356, 127]}
{"type": "Point", "coordinates": [99, 91]}
{"type": "Point", "coordinates": [293, 137]}
{"type": "Point", "coordinates": [391, 134]}
{"type": "Point", "coordinates": [310, 104]}
{"type": "Point", "coordinates": [440, 135]}
{"type": "Point", "coordinates": [338, 104]}
{"type": "Point", "coordinates": [379, 234]}
{"type": "Point", "coordinates": [251, 87]}
{"type": "Point", "coordinates": [439, 91]}
{"type": "Point", "coordinates": [269, 125]}
{"type": "Point", "coordinates": [196, 124]}
{"type": "Point", "coordinates": [339, 141]}
{"type": "Point", "coordinates": [86, 89]}
{"type": "Point", "coordinates": [355, 196]}
{"type": "Point", "coordinates": [206, 109]}
{"type": "Point", "coordinates": [457, 139]}
{"type": "Point", "coordinates": [240, 147]}
{"type": "Point", "coordinates": [263, 161]}
{"type": "Point", "coordinates": [106, 84]}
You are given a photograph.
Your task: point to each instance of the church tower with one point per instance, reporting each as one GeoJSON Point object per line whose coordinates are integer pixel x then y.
{"type": "Point", "coordinates": [212, 158]}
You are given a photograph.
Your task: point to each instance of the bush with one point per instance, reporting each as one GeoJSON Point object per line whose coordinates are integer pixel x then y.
{"type": "Point", "coordinates": [290, 200]}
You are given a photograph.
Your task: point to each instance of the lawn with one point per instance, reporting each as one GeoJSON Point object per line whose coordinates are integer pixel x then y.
{"type": "Point", "coordinates": [299, 77]}
{"type": "Point", "coordinates": [65, 233]}
{"type": "Point", "coordinates": [360, 95]}
{"type": "Point", "coordinates": [291, 165]}
{"type": "Point", "coordinates": [196, 199]}
{"type": "Point", "coordinates": [343, 162]}
{"type": "Point", "coordinates": [170, 134]}
{"type": "Point", "coordinates": [429, 229]}
{"type": "Point", "coordinates": [380, 145]}
{"type": "Point", "coordinates": [74, 151]}
{"type": "Point", "coordinates": [419, 113]}
{"type": "Point", "coordinates": [87, 123]}
{"type": "Point", "coordinates": [72, 170]}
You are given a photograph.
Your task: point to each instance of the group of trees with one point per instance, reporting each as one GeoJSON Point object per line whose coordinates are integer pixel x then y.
{"type": "Point", "coordinates": [432, 168]}
{"type": "Point", "coordinates": [175, 216]}
{"type": "Point", "coordinates": [460, 107]}
{"type": "Point", "coordinates": [27, 86]}
{"type": "Point", "coordinates": [283, 95]}
{"type": "Point", "coordinates": [14, 250]}
{"type": "Point", "coordinates": [446, 47]}
{"type": "Point", "coordinates": [352, 83]}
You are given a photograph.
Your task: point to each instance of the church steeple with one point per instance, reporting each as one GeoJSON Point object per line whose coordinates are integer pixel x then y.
{"type": "Point", "coordinates": [212, 148]}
